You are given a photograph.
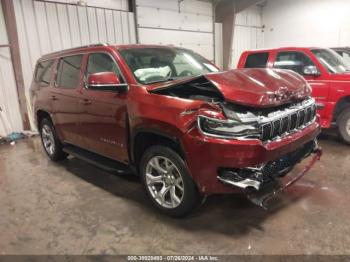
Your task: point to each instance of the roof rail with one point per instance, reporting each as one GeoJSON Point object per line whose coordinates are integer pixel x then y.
{"type": "Point", "coordinates": [85, 46]}
{"type": "Point", "coordinates": [78, 47]}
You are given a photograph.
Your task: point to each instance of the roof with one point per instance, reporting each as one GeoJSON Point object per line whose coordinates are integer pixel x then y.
{"type": "Point", "coordinates": [284, 48]}
{"type": "Point", "coordinates": [106, 45]}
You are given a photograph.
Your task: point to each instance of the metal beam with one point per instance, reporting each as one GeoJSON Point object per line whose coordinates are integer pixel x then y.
{"type": "Point", "coordinates": [131, 5]}
{"type": "Point", "coordinates": [225, 11]}
{"type": "Point", "coordinates": [243, 4]}
{"type": "Point", "coordinates": [10, 21]}
{"type": "Point", "coordinates": [225, 14]}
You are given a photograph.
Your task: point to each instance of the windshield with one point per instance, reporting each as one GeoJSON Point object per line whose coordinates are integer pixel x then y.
{"type": "Point", "coordinates": [331, 60]}
{"type": "Point", "coordinates": [151, 65]}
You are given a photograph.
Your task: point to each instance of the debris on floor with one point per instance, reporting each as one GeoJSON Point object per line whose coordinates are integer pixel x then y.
{"type": "Point", "coordinates": [15, 136]}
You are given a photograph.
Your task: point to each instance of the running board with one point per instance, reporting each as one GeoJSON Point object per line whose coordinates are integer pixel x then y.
{"type": "Point", "coordinates": [99, 161]}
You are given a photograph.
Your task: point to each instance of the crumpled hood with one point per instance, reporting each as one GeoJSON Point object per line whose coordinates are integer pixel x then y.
{"type": "Point", "coordinates": [260, 87]}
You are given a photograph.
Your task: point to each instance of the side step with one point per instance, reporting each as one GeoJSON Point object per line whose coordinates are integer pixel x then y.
{"type": "Point", "coordinates": [99, 161]}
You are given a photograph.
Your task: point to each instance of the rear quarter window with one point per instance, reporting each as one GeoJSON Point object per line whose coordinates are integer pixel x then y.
{"type": "Point", "coordinates": [43, 73]}
{"type": "Point", "coordinates": [256, 60]}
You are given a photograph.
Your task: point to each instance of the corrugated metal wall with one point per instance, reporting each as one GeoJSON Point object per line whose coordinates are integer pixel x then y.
{"type": "Point", "coordinates": [187, 23]}
{"type": "Point", "coordinates": [248, 32]}
{"type": "Point", "coordinates": [112, 4]}
{"type": "Point", "coordinates": [10, 117]}
{"type": "Point", "coordinates": [44, 27]}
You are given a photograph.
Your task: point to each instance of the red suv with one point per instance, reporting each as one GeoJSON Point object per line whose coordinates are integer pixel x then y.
{"type": "Point", "coordinates": [170, 116]}
{"type": "Point", "coordinates": [326, 72]}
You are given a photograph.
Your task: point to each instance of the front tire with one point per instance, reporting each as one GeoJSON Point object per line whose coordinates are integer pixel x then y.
{"type": "Point", "coordinates": [344, 125]}
{"type": "Point", "coordinates": [167, 181]}
{"type": "Point", "coordinates": [50, 141]}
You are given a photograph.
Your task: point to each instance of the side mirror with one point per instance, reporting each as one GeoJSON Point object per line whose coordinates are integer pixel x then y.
{"type": "Point", "coordinates": [311, 71]}
{"type": "Point", "coordinates": [106, 81]}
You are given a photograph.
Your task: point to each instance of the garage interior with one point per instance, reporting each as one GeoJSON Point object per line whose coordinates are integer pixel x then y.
{"type": "Point", "coordinates": [71, 207]}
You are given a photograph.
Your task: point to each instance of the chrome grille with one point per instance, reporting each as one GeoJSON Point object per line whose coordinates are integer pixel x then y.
{"type": "Point", "coordinates": [288, 124]}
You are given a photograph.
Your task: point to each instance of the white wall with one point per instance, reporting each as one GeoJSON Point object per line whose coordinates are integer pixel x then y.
{"type": "Point", "coordinates": [10, 117]}
{"type": "Point", "coordinates": [248, 32]}
{"type": "Point", "coordinates": [112, 4]}
{"type": "Point", "coordinates": [188, 24]}
{"type": "Point", "coordinates": [44, 27]}
{"type": "Point", "coordinates": [307, 23]}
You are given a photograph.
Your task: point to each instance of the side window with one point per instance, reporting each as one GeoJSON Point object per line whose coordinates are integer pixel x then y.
{"type": "Point", "coordinates": [295, 61]}
{"type": "Point", "coordinates": [43, 73]}
{"type": "Point", "coordinates": [346, 57]}
{"type": "Point", "coordinates": [256, 60]}
{"type": "Point", "coordinates": [68, 74]}
{"type": "Point", "coordinates": [101, 62]}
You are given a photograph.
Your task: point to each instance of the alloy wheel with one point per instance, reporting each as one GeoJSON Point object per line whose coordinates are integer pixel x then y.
{"type": "Point", "coordinates": [347, 126]}
{"type": "Point", "coordinates": [48, 139]}
{"type": "Point", "coordinates": [164, 182]}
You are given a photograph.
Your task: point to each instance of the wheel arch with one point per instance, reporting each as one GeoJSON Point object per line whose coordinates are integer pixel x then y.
{"type": "Point", "coordinates": [40, 115]}
{"type": "Point", "coordinates": [342, 104]}
{"type": "Point", "coordinates": [143, 138]}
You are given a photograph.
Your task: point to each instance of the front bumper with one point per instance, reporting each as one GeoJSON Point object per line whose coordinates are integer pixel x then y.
{"type": "Point", "coordinates": [258, 177]}
{"type": "Point", "coordinates": [262, 197]}
{"type": "Point", "coordinates": [206, 156]}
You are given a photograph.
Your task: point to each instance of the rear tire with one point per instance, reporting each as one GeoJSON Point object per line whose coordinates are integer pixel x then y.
{"type": "Point", "coordinates": [167, 181]}
{"type": "Point", "coordinates": [52, 145]}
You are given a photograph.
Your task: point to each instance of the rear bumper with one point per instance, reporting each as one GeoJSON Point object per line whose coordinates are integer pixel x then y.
{"type": "Point", "coordinates": [207, 155]}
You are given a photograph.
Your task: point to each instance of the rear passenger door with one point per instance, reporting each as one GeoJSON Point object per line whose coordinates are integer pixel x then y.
{"type": "Point", "coordinates": [103, 115]}
{"type": "Point", "coordinates": [65, 97]}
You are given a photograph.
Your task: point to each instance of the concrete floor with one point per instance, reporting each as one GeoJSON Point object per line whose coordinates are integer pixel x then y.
{"type": "Point", "coordinates": [74, 208]}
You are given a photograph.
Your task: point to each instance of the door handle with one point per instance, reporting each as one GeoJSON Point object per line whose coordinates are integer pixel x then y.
{"type": "Point", "coordinates": [54, 98]}
{"type": "Point", "coordinates": [87, 102]}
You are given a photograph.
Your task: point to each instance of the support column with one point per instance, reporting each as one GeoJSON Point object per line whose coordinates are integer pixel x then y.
{"type": "Point", "coordinates": [225, 14]}
{"type": "Point", "coordinates": [10, 21]}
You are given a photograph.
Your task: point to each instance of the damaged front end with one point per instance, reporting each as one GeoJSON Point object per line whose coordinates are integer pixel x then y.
{"type": "Point", "coordinates": [198, 88]}
{"type": "Point", "coordinates": [262, 182]}
{"type": "Point", "coordinates": [266, 114]}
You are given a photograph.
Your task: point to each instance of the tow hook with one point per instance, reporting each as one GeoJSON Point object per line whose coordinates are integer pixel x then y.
{"type": "Point", "coordinates": [261, 197]}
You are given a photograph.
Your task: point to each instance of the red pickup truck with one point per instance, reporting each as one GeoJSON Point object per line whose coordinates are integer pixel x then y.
{"type": "Point", "coordinates": [326, 72]}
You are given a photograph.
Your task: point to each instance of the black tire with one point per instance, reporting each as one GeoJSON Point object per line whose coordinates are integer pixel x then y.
{"type": "Point", "coordinates": [343, 122]}
{"type": "Point", "coordinates": [190, 195]}
{"type": "Point", "coordinates": [56, 153]}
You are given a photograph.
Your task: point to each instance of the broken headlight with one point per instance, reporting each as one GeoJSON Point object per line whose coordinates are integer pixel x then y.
{"type": "Point", "coordinates": [227, 128]}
